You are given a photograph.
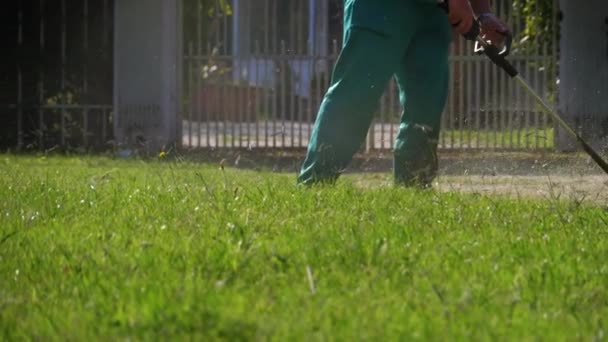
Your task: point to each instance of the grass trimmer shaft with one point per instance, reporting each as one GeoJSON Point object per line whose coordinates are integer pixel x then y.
{"type": "Point", "coordinates": [500, 60]}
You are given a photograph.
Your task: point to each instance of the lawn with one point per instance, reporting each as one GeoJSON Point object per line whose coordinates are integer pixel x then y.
{"type": "Point", "coordinates": [93, 248]}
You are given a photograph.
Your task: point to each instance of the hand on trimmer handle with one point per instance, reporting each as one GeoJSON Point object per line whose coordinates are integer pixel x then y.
{"type": "Point", "coordinates": [496, 32]}
{"type": "Point", "coordinates": [473, 32]}
{"type": "Point", "coordinates": [497, 56]}
{"type": "Point", "coordinates": [482, 46]}
{"type": "Point", "coordinates": [462, 11]}
{"type": "Point", "coordinates": [487, 22]}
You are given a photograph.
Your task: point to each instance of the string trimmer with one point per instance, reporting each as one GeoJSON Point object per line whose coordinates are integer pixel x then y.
{"type": "Point", "coordinates": [498, 57]}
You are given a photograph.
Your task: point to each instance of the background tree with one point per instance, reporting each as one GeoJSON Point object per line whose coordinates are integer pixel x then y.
{"type": "Point", "coordinates": [539, 24]}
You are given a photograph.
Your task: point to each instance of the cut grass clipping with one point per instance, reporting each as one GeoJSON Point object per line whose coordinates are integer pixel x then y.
{"type": "Point", "coordinates": [99, 249]}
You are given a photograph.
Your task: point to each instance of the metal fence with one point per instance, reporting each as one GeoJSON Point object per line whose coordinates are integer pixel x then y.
{"type": "Point", "coordinates": [256, 74]}
{"type": "Point", "coordinates": [56, 80]}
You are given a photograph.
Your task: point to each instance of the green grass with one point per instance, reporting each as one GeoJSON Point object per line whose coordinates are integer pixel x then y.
{"type": "Point", "coordinates": [93, 248]}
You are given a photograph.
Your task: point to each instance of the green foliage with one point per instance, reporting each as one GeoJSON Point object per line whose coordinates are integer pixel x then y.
{"type": "Point", "coordinates": [222, 6]}
{"type": "Point", "coordinates": [539, 35]}
{"type": "Point", "coordinates": [539, 26]}
{"type": "Point", "coordinates": [201, 19]}
{"type": "Point", "coordinates": [201, 23]}
{"type": "Point", "coordinates": [98, 249]}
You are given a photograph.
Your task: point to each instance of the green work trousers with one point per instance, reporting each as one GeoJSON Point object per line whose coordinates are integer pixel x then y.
{"type": "Point", "coordinates": [409, 41]}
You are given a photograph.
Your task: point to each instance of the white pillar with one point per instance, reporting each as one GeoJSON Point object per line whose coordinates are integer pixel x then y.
{"type": "Point", "coordinates": [319, 27]}
{"type": "Point", "coordinates": [241, 42]}
{"type": "Point", "coordinates": [147, 69]}
{"type": "Point", "coordinates": [583, 88]}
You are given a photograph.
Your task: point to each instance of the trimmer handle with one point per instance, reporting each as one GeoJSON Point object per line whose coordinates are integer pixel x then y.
{"type": "Point", "coordinates": [497, 56]}
{"type": "Point", "coordinates": [506, 50]}
{"type": "Point", "coordinates": [475, 29]}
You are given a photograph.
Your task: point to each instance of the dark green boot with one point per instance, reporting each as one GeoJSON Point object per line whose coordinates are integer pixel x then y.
{"type": "Point", "coordinates": [415, 161]}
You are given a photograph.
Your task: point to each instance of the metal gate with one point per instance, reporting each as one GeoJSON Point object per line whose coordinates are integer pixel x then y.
{"type": "Point", "coordinates": [256, 71]}
{"type": "Point", "coordinates": [56, 79]}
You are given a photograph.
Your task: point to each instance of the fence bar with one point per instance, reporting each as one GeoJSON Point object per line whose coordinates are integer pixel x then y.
{"type": "Point", "coordinates": [461, 105]}
{"type": "Point", "coordinates": [503, 111]}
{"type": "Point", "coordinates": [106, 44]}
{"type": "Point", "coordinates": [225, 30]}
{"type": "Point", "coordinates": [554, 64]}
{"type": "Point", "coordinates": [379, 121]}
{"type": "Point", "coordinates": [198, 68]}
{"type": "Point", "coordinates": [478, 103]}
{"type": "Point", "coordinates": [20, 81]}
{"type": "Point", "coordinates": [275, 49]}
{"type": "Point", "coordinates": [191, 96]}
{"type": "Point", "coordinates": [222, 120]}
{"type": "Point", "coordinates": [488, 103]}
{"type": "Point", "coordinates": [85, 70]}
{"type": "Point", "coordinates": [384, 121]}
{"type": "Point", "coordinates": [546, 82]}
{"type": "Point", "coordinates": [469, 103]}
{"type": "Point", "coordinates": [527, 105]}
{"type": "Point", "coordinates": [495, 107]}
{"type": "Point", "coordinates": [451, 109]}
{"type": "Point", "coordinates": [316, 61]}
{"type": "Point", "coordinates": [199, 89]}
{"type": "Point", "coordinates": [510, 113]}
{"type": "Point", "coordinates": [256, 58]}
{"type": "Point", "coordinates": [63, 71]}
{"type": "Point", "coordinates": [539, 69]}
{"type": "Point", "coordinates": [41, 126]}
{"type": "Point", "coordinates": [395, 119]}
{"type": "Point", "coordinates": [305, 87]}
{"type": "Point", "coordinates": [533, 112]}
{"type": "Point", "coordinates": [57, 106]}
{"type": "Point", "coordinates": [301, 104]}
{"type": "Point", "coordinates": [250, 102]}
{"type": "Point", "coordinates": [106, 20]}
{"type": "Point", "coordinates": [445, 115]}
{"type": "Point", "coordinates": [519, 109]}
{"type": "Point", "coordinates": [285, 71]}
{"type": "Point", "coordinates": [242, 122]}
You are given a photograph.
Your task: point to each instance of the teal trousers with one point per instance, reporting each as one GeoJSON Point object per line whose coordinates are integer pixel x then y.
{"type": "Point", "coordinates": [413, 49]}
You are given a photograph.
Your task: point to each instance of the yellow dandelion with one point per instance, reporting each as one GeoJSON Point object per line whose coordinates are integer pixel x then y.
{"type": "Point", "coordinates": [162, 154]}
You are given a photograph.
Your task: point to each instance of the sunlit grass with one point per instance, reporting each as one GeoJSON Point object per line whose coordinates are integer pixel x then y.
{"type": "Point", "coordinates": [95, 248]}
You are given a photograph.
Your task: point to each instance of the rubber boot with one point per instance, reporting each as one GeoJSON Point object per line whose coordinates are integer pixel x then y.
{"type": "Point", "coordinates": [415, 161]}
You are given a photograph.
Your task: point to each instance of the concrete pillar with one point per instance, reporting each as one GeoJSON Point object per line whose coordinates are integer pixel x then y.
{"type": "Point", "coordinates": [147, 70]}
{"type": "Point", "coordinates": [241, 44]}
{"type": "Point", "coordinates": [583, 88]}
{"type": "Point", "coordinates": [319, 27]}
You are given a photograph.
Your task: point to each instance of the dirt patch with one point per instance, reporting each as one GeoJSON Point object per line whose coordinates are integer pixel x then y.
{"type": "Point", "coordinates": [557, 176]}
{"type": "Point", "coordinates": [582, 188]}
{"type": "Point", "coordinates": [552, 176]}
{"type": "Point", "coordinates": [571, 177]}
{"type": "Point", "coordinates": [590, 189]}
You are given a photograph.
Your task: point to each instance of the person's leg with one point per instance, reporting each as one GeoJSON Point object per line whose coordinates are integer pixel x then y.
{"type": "Point", "coordinates": [366, 63]}
{"type": "Point", "coordinates": [423, 78]}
